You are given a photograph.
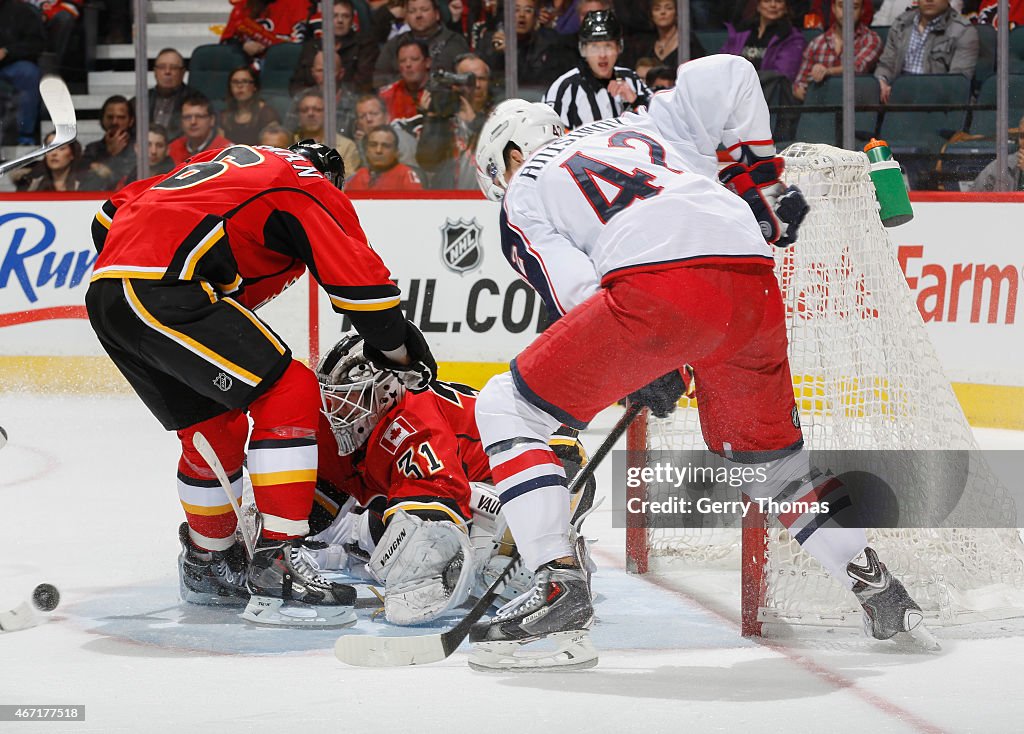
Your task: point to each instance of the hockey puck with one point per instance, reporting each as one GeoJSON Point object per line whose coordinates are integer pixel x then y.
{"type": "Point", "coordinates": [3, 437]}
{"type": "Point", "coordinates": [46, 597]}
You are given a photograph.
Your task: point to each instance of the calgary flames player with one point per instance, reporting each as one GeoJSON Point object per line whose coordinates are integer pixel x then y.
{"type": "Point", "coordinates": [184, 260]}
{"type": "Point", "coordinates": [405, 488]}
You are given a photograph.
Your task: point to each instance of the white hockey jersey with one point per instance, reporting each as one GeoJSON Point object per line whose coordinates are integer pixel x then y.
{"type": "Point", "coordinates": [641, 191]}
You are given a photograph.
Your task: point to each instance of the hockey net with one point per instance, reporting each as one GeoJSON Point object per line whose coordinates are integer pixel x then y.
{"type": "Point", "coordinates": [865, 377]}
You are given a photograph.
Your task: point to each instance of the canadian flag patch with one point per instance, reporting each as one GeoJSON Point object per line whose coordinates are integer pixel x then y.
{"type": "Point", "coordinates": [395, 434]}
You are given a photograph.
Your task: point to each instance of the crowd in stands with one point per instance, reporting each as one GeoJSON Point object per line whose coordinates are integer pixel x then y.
{"type": "Point", "coordinates": [415, 79]}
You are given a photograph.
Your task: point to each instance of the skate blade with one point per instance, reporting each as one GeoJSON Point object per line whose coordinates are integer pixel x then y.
{"type": "Point", "coordinates": [574, 651]}
{"type": "Point", "coordinates": [272, 612]}
{"type": "Point", "coordinates": [207, 599]}
{"type": "Point", "coordinates": [917, 639]}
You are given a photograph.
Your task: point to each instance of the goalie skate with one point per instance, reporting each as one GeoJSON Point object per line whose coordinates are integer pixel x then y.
{"type": "Point", "coordinates": [212, 578]}
{"type": "Point", "coordinates": [556, 609]}
{"type": "Point", "coordinates": [889, 612]}
{"type": "Point", "coordinates": [286, 590]}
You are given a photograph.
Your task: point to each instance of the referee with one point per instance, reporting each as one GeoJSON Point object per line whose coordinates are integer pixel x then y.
{"type": "Point", "coordinates": [597, 88]}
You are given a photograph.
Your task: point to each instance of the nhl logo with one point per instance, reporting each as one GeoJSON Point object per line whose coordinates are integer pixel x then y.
{"type": "Point", "coordinates": [222, 382]}
{"type": "Point", "coordinates": [460, 245]}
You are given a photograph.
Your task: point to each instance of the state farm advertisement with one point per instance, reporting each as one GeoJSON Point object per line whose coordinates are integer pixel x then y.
{"type": "Point", "coordinates": [960, 258]}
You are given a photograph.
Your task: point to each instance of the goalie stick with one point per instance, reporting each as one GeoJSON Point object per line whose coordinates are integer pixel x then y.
{"type": "Point", "coordinates": [55, 95]}
{"type": "Point", "coordinates": [210, 457]}
{"type": "Point", "coordinates": [382, 652]}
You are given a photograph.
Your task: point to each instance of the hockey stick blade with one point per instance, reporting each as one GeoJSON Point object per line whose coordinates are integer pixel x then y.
{"type": "Point", "coordinates": [21, 617]}
{"type": "Point", "coordinates": [55, 95]}
{"type": "Point", "coordinates": [210, 457]}
{"type": "Point", "coordinates": [383, 652]}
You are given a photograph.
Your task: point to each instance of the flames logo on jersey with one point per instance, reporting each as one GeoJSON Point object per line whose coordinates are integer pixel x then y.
{"type": "Point", "coordinates": [461, 250]}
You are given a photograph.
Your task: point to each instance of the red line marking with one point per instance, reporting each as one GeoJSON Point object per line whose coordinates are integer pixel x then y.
{"type": "Point", "coordinates": [819, 671]}
{"type": "Point", "coordinates": [43, 314]}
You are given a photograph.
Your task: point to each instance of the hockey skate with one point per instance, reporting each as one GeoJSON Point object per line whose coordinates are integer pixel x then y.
{"type": "Point", "coordinates": [557, 608]}
{"type": "Point", "coordinates": [889, 612]}
{"type": "Point", "coordinates": [287, 591]}
{"type": "Point", "coordinates": [213, 578]}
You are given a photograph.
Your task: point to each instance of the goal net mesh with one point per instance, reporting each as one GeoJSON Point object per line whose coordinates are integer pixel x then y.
{"type": "Point", "coordinates": [865, 377]}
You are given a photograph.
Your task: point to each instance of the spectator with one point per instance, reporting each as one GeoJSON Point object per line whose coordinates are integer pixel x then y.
{"type": "Point", "coordinates": [370, 113]}
{"type": "Point", "coordinates": [768, 41]}
{"type": "Point", "coordinates": [199, 125]}
{"type": "Point", "coordinates": [820, 15]}
{"type": "Point", "coordinates": [56, 172]}
{"type": "Point", "coordinates": [934, 39]}
{"type": "Point", "coordinates": [569, 23]}
{"type": "Point", "coordinates": [661, 77]}
{"type": "Point", "coordinates": [987, 9]}
{"type": "Point", "coordinates": [311, 125]}
{"type": "Point", "coordinates": [890, 10]}
{"type": "Point", "coordinates": [159, 162]}
{"type": "Point", "coordinates": [424, 19]}
{"type": "Point", "coordinates": [823, 56]}
{"type": "Point", "coordinates": [541, 53]}
{"type": "Point", "coordinates": [166, 97]}
{"type": "Point", "coordinates": [707, 15]}
{"type": "Point", "coordinates": [383, 172]}
{"type": "Point", "coordinates": [59, 20]}
{"type": "Point", "coordinates": [475, 19]}
{"type": "Point", "coordinates": [986, 180]}
{"type": "Point", "coordinates": [256, 25]}
{"type": "Point", "coordinates": [663, 44]}
{"type": "Point", "coordinates": [643, 65]}
{"type": "Point", "coordinates": [21, 43]}
{"type": "Point", "coordinates": [345, 100]}
{"type": "Point", "coordinates": [597, 88]}
{"type": "Point", "coordinates": [552, 13]}
{"type": "Point", "coordinates": [357, 51]}
{"type": "Point", "coordinates": [111, 157]}
{"type": "Point", "coordinates": [276, 135]}
{"type": "Point", "coordinates": [245, 113]}
{"type": "Point", "coordinates": [403, 97]}
{"type": "Point", "coordinates": [388, 20]}
{"type": "Point", "coordinates": [451, 127]}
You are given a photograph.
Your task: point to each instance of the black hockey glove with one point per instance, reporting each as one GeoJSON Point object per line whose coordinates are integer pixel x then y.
{"type": "Point", "coordinates": [779, 210]}
{"type": "Point", "coordinates": [662, 394]}
{"type": "Point", "coordinates": [422, 368]}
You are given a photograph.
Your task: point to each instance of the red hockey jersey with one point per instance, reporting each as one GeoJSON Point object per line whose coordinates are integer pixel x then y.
{"type": "Point", "coordinates": [243, 218]}
{"type": "Point", "coordinates": [422, 455]}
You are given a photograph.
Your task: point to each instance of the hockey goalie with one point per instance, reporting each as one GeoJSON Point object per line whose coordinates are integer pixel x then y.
{"type": "Point", "coordinates": [404, 491]}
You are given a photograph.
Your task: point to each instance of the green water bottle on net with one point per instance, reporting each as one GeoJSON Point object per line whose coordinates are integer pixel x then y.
{"type": "Point", "coordinates": [890, 189]}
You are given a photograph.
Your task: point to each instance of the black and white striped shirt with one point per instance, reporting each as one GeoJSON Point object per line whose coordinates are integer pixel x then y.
{"type": "Point", "coordinates": [579, 97]}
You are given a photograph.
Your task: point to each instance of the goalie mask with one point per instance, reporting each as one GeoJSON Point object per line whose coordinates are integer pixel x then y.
{"type": "Point", "coordinates": [526, 125]}
{"type": "Point", "coordinates": [355, 394]}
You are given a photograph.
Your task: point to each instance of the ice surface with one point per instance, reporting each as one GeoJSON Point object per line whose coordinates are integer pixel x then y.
{"type": "Point", "coordinates": [87, 502]}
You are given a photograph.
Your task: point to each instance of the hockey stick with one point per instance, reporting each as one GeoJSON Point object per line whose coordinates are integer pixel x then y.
{"type": "Point", "coordinates": [55, 96]}
{"type": "Point", "coordinates": [383, 652]}
{"type": "Point", "coordinates": [210, 457]}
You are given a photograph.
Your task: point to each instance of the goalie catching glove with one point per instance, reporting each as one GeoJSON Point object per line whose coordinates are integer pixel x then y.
{"type": "Point", "coordinates": [422, 368]}
{"type": "Point", "coordinates": [427, 567]}
{"type": "Point", "coordinates": [779, 209]}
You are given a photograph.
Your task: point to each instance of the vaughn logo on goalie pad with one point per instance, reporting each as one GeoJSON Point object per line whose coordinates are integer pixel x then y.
{"type": "Point", "coordinates": [460, 245]}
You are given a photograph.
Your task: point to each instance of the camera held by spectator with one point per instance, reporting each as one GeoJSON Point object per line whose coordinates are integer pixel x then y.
{"type": "Point", "coordinates": [445, 88]}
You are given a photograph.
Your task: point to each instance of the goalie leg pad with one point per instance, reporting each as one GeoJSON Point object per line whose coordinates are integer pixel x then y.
{"type": "Point", "coordinates": [427, 567]}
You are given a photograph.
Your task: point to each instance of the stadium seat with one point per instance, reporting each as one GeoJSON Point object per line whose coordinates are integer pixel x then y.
{"type": "Point", "coordinates": [278, 66]}
{"type": "Point", "coordinates": [712, 40]}
{"type": "Point", "coordinates": [925, 132]}
{"type": "Point", "coordinates": [882, 31]}
{"type": "Point", "coordinates": [821, 127]}
{"type": "Point", "coordinates": [983, 122]}
{"type": "Point", "coordinates": [1017, 50]}
{"type": "Point", "coordinates": [210, 66]}
{"type": "Point", "coordinates": [280, 101]}
{"type": "Point", "coordinates": [986, 64]}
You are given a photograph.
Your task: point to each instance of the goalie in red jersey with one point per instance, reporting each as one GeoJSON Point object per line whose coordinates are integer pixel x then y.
{"type": "Point", "coordinates": [405, 489]}
{"type": "Point", "coordinates": [184, 261]}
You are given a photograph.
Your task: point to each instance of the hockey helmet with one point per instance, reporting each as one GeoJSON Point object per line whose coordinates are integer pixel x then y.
{"type": "Point", "coordinates": [355, 393]}
{"type": "Point", "coordinates": [527, 125]}
{"type": "Point", "coordinates": [325, 159]}
{"type": "Point", "coordinates": [600, 25]}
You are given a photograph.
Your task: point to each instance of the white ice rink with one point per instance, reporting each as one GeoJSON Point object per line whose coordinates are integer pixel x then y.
{"type": "Point", "coordinates": [88, 503]}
